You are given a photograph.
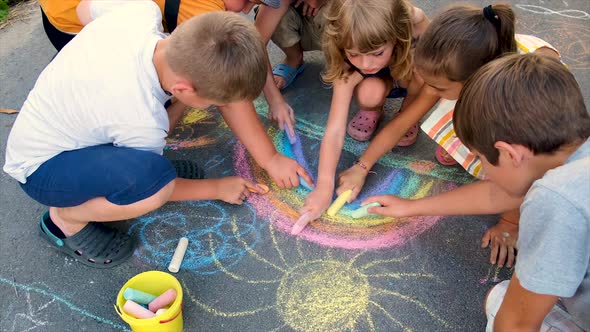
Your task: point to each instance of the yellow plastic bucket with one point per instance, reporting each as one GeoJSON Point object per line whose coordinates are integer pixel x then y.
{"type": "Point", "coordinates": [153, 282]}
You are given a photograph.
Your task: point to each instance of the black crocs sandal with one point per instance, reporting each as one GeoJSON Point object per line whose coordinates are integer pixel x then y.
{"type": "Point", "coordinates": [95, 245]}
{"type": "Point", "coordinates": [186, 169]}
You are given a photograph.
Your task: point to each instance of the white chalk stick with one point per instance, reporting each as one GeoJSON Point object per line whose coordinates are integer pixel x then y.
{"type": "Point", "coordinates": [178, 255]}
{"type": "Point", "coordinates": [160, 311]}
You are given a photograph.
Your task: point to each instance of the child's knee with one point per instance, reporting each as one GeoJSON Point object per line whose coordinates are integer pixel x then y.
{"type": "Point", "coordinates": [371, 92]}
{"type": "Point", "coordinates": [163, 195]}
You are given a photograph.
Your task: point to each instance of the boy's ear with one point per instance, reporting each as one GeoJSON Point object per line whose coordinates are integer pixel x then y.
{"type": "Point", "coordinates": [182, 86]}
{"type": "Point", "coordinates": [516, 154]}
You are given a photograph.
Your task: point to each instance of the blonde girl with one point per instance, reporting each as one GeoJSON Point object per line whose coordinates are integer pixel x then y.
{"type": "Point", "coordinates": [367, 45]}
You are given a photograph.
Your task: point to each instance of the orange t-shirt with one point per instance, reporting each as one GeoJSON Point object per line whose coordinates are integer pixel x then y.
{"type": "Point", "coordinates": [62, 13]}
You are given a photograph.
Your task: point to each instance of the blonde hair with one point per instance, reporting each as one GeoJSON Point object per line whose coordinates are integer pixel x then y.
{"type": "Point", "coordinates": [367, 25]}
{"type": "Point", "coordinates": [222, 55]}
{"type": "Point", "coordinates": [461, 39]}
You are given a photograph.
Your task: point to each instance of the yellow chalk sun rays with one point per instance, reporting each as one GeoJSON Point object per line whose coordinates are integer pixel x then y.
{"type": "Point", "coordinates": [320, 295]}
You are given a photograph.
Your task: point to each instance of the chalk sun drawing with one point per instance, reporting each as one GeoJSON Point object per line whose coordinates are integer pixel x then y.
{"type": "Point", "coordinates": [404, 177]}
{"type": "Point", "coordinates": [326, 294]}
{"type": "Point", "coordinates": [158, 234]}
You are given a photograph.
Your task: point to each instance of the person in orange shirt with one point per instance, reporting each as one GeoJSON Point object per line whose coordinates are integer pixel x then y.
{"type": "Point", "coordinates": [61, 22]}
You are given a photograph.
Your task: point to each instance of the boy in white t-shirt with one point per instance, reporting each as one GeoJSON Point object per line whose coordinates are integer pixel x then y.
{"type": "Point", "coordinates": [88, 141]}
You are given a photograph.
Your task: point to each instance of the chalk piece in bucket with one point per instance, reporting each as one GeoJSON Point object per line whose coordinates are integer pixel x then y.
{"type": "Point", "coordinates": [362, 211]}
{"type": "Point", "coordinates": [160, 311]}
{"type": "Point", "coordinates": [304, 184]}
{"type": "Point", "coordinates": [137, 310]}
{"type": "Point", "coordinates": [339, 203]}
{"type": "Point", "coordinates": [138, 296]}
{"type": "Point", "coordinates": [300, 223]}
{"type": "Point", "coordinates": [178, 256]}
{"type": "Point", "coordinates": [163, 300]}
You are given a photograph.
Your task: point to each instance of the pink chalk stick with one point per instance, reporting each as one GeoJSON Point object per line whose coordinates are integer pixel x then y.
{"type": "Point", "coordinates": [137, 310]}
{"type": "Point", "coordinates": [300, 224]}
{"type": "Point", "coordinates": [163, 300]}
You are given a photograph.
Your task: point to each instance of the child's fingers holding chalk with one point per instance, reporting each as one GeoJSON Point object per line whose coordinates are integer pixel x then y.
{"type": "Point", "coordinates": [391, 206]}
{"type": "Point", "coordinates": [303, 174]}
{"type": "Point", "coordinates": [354, 191]}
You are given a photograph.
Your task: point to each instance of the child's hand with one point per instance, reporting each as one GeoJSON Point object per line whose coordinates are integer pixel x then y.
{"type": "Point", "coordinates": [283, 114]}
{"type": "Point", "coordinates": [233, 189]}
{"type": "Point", "coordinates": [503, 238]}
{"type": "Point", "coordinates": [353, 178]}
{"type": "Point", "coordinates": [286, 171]}
{"type": "Point", "coordinates": [317, 202]}
{"type": "Point", "coordinates": [391, 206]}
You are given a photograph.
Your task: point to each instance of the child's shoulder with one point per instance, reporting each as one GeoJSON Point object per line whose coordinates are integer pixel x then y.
{"type": "Point", "coordinates": [566, 186]}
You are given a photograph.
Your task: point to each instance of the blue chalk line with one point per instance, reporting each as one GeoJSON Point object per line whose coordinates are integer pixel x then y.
{"type": "Point", "coordinates": [64, 301]}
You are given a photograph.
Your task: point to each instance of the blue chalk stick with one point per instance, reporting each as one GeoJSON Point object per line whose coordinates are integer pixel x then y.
{"type": "Point", "coordinates": [292, 139]}
{"type": "Point", "coordinates": [304, 184]}
{"type": "Point", "coordinates": [138, 296]}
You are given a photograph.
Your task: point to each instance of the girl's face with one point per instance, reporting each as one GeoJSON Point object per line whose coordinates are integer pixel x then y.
{"type": "Point", "coordinates": [371, 62]}
{"type": "Point", "coordinates": [441, 86]}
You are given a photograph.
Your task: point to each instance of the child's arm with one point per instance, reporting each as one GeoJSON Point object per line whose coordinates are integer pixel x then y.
{"type": "Point", "coordinates": [482, 197]}
{"type": "Point", "coordinates": [386, 139]}
{"type": "Point", "coordinates": [232, 189]}
{"type": "Point", "coordinates": [242, 119]}
{"type": "Point", "coordinates": [419, 22]}
{"type": "Point", "coordinates": [331, 148]}
{"type": "Point", "coordinates": [522, 310]}
{"type": "Point", "coordinates": [267, 20]}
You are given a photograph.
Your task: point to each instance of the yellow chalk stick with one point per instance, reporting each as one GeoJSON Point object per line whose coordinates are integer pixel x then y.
{"type": "Point", "coordinates": [339, 203]}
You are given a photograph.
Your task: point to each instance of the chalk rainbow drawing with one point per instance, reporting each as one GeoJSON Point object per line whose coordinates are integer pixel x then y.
{"type": "Point", "coordinates": [323, 294]}
{"type": "Point", "coordinates": [404, 177]}
{"type": "Point", "coordinates": [158, 233]}
{"type": "Point", "coordinates": [399, 175]}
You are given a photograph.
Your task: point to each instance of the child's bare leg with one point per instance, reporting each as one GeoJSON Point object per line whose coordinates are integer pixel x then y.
{"type": "Point", "coordinates": [371, 93]}
{"type": "Point", "coordinates": [71, 220]}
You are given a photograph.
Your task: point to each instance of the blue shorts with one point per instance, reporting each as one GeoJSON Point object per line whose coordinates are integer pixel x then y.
{"type": "Point", "coordinates": [121, 175]}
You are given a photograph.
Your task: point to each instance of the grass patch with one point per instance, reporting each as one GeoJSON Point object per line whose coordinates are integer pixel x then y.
{"type": "Point", "coordinates": [3, 11]}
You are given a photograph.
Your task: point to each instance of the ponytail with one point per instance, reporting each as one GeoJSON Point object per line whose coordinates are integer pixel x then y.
{"type": "Point", "coordinates": [462, 39]}
{"type": "Point", "coordinates": [502, 17]}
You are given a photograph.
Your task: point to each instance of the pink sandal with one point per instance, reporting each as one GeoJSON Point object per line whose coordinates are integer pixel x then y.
{"type": "Point", "coordinates": [410, 136]}
{"type": "Point", "coordinates": [364, 124]}
{"type": "Point", "coordinates": [444, 157]}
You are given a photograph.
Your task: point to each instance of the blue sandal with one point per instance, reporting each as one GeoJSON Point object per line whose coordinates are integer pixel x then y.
{"type": "Point", "coordinates": [287, 72]}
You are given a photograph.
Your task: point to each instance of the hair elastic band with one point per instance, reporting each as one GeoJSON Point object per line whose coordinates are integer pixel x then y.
{"type": "Point", "coordinates": [490, 15]}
